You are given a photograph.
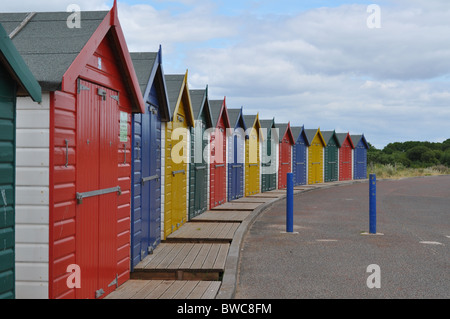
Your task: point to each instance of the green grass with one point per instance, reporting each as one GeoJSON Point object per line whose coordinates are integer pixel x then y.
{"type": "Point", "coordinates": [399, 171]}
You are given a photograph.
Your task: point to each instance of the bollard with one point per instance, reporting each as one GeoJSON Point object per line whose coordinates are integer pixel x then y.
{"type": "Point", "coordinates": [290, 203]}
{"type": "Point", "coordinates": [373, 204]}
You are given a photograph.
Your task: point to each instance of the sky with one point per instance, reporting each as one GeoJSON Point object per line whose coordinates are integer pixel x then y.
{"type": "Point", "coordinates": [315, 63]}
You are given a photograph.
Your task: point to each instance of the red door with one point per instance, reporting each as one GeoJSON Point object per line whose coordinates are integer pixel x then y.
{"type": "Point", "coordinates": [285, 163]}
{"type": "Point", "coordinates": [217, 167]}
{"type": "Point", "coordinates": [97, 190]}
{"type": "Point", "coordinates": [345, 162]}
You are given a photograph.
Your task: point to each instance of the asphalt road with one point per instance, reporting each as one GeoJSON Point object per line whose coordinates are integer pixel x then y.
{"type": "Point", "coordinates": [328, 257]}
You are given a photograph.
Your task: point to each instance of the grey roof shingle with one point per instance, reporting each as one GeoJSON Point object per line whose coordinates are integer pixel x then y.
{"type": "Point", "coordinates": [296, 131]}
{"type": "Point", "coordinates": [47, 45]}
{"type": "Point", "coordinates": [233, 114]}
{"type": "Point", "coordinates": [174, 83]}
{"type": "Point", "coordinates": [143, 63]}
{"type": "Point", "coordinates": [310, 133]}
{"type": "Point", "coordinates": [197, 101]}
{"type": "Point", "coordinates": [216, 107]}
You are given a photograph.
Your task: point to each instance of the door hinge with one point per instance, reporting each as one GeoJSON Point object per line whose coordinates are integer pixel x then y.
{"type": "Point", "coordinates": [82, 87]}
{"type": "Point", "coordinates": [115, 97]}
{"type": "Point", "coordinates": [114, 282]}
{"type": "Point", "coordinates": [99, 293]}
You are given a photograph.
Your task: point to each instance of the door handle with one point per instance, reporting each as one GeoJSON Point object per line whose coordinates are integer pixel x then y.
{"type": "Point", "coordinates": [178, 172]}
{"type": "Point", "coordinates": [98, 192]}
{"type": "Point", "coordinates": [148, 179]}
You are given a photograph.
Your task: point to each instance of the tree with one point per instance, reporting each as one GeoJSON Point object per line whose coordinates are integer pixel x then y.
{"type": "Point", "coordinates": [415, 153]}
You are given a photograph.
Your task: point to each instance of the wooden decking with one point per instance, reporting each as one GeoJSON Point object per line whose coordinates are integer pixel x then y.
{"type": "Point", "coordinates": [184, 261]}
{"type": "Point", "coordinates": [204, 233]}
{"type": "Point", "coordinates": [220, 216]}
{"type": "Point", "coordinates": [238, 206]}
{"type": "Point", "coordinates": [166, 289]}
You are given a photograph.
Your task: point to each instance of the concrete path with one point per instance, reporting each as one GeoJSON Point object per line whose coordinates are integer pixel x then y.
{"type": "Point", "coordinates": [329, 257]}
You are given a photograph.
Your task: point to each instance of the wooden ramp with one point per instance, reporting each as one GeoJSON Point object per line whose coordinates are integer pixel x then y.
{"type": "Point", "coordinates": [238, 206]}
{"type": "Point", "coordinates": [166, 289]}
{"type": "Point", "coordinates": [204, 233]}
{"type": "Point", "coordinates": [253, 200]}
{"type": "Point", "coordinates": [184, 261]}
{"type": "Point", "coordinates": [220, 216]}
{"type": "Point", "coordinates": [267, 195]}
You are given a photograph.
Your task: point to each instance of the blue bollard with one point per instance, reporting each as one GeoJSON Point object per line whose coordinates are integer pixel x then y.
{"type": "Point", "coordinates": [290, 203]}
{"type": "Point", "coordinates": [373, 204]}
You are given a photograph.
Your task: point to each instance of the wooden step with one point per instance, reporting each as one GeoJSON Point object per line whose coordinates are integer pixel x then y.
{"type": "Point", "coordinates": [166, 289]}
{"type": "Point", "coordinates": [183, 261]}
{"type": "Point", "coordinates": [203, 233]}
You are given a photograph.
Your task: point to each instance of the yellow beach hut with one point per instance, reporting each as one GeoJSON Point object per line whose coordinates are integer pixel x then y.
{"type": "Point", "coordinates": [252, 155]}
{"type": "Point", "coordinates": [316, 147]}
{"type": "Point", "coordinates": [175, 155]}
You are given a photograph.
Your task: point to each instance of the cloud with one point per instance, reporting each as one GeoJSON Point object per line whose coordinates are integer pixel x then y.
{"type": "Point", "coordinates": [318, 67]}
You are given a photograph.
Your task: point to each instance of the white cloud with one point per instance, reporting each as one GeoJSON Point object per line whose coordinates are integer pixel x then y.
{"type": "Point", "coordinates": [321, 67]}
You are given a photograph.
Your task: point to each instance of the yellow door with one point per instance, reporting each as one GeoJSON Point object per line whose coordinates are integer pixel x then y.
{"type": "Point", "coordinates": [315, 160]}
{"type": "Point", "coordinates": [175, 173]}
{"type": "Point", "coordinates": [252, 162]}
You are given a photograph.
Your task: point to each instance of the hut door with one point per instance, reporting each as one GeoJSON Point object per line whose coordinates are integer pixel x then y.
{"type": "Point", "coordinates": [300, 163]}
{"type": "Point", "coordinates": [199, 172]}
{"type": "Point", "coordinates": [97, 189]}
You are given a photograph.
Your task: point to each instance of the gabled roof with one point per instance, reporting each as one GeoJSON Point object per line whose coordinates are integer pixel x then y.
{"type": "Point", "coordinates": [311, 134]}
{"type": "Point", "coordinates": [218, 108]}
{"type": "Point", "coordinates": [252, 121]}
{"type": "Point", "coordinates": [149, 71]}
{"type": "Point", "coordinates": [267, 125]}
{"type": "Point", "coordinates": [328, 135]}
{"type": "Point", "coordinates": [200, 104]}
{"type": "Point", "coordinates": [297, 131]}
{"type": "Point", "coordinates": [236, 116]}
{"type": "Point", "coordinates": [178, 90]}
{"type": "Point", "coordinates": [16, 66]}
{"type": "Point", "coordinates": [357, 138]}
{"type": "Point", "coordinates": [341, 138]}
{"type": "Point", "coordinates": [285, 128]}
{"type": "Point", "coordinates": [56, 53]}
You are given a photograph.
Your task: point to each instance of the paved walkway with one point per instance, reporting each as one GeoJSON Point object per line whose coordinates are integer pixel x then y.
{"type": "Point", "coordinates": [200, 260]}
{"type": "Point", "coordinates": [328, 257]}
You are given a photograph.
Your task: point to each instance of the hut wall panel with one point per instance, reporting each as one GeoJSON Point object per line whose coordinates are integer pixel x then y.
{"type": "Point", "coordinates": [32, 190]}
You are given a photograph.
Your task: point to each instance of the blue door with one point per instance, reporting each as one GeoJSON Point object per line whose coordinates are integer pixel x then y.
{"type": "Point", "coordinates": [360, 162]}
{"type": "Point", "coordinates": [146, 181]}
{"type": "Point", "coordinates": [299, 162]}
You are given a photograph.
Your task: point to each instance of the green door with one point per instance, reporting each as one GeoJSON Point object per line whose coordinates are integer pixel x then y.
{"type": "Point", "coordinates": [198, 171]}
{"type": "Point", "coordinates": [7, 184]}
{"type": "Point", "coordinates": [331, 161]}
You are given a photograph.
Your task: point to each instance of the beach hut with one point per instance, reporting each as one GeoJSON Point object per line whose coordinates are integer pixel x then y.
{"type": "Point", "coordinates": [359, 156]}
{"type": "Point", "coordinates": [218, 148]}
{"type": "Point", "coordinates": [299, 155]}
{"type": "Point", "coordinates": [331, 156]}
{"type": "Point", "coordinates": [74, 154]}
{"type": "Point", "coordinates": [15, 79]}
{"type": "Point", "coordinates": [176, 155]}
{"type": "Point", "coordinates": [269, 153]}
{"type": "Point", "coordinates": [236, 154]}
{"type": "Point", "coordinates": [286, 141]}
{"type": "Point", "coordinates": [252, 155]}
{"type": "Point", "coordinates": [345, 156]}
{"type": "Point", "coordinates": [315, 156]}
{"type": "Point", "coordinates": [198, 172]}
{"type": "Point", "coordinates": [146, 155]}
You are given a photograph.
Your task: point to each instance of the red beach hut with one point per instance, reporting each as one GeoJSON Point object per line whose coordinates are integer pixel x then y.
{"type": "Point", "coordinates": [74, 190]}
